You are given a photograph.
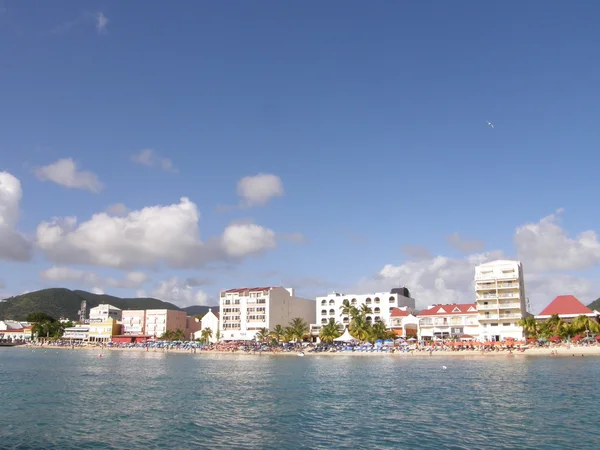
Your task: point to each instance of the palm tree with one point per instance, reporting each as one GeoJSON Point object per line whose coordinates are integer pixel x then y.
{"type": "Point", "coordinates": [277, 333]}
{"type": "Point", "coordinates": [583, 323]}
{"type": "Point", "coordinates": [206, 335]}
{"type": "Point", "coordinates": [378, 331]}
{"type": "Point", "coordinates": [263, 334]}
{"type": "Point", "coordinates": [179, 335]}
{"type": "Point", "coordinates": [554, 325]}
{"type": "Point", "coordinates": [288, 334]}
{"type": "Point", "coordinates": [530, 326]}
{"type": "Point", "coordinates": [299, 328]}
{"type": "Point", "coordinates": [168, 335]}
{"type": "Point", "coordinates": [330, 331]}
{"type": "Point", "coordinates": [365, 309]}
{"type": "Point", "coordinates": [345, 308]}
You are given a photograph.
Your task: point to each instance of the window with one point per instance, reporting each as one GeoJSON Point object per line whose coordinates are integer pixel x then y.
{"type": "Point", "coordinates": [377, 319]}
{"type": "Point", "coordinates": [323, 302]}
{"type": "Point", "coordinates": [377, 300]}
{"type": "Point", "coordinates": [331, 302]}
{"type": "Point", "coordinates": [353, 301]}
{"type": "Point", "coordinates": [391, 309]}
{"type": "Point", "coordinates": [332, 312]}
{"type": "Point", "coordinates": [368, 301]}
{"type": "Point", "coordinates": [392, 299]}
{"type": "Point", "coordinates": [376, 310]}
{"type": "Point", "coordinates": [324, 321]}
{"type": "Point", "coordinates": [323, 312]}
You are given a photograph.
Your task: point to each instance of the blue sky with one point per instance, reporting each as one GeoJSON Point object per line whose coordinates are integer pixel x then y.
{"type": "Point", "coordinates": [373, 116]}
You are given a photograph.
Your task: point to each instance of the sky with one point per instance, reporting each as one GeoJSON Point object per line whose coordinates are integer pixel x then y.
{"type": "Point", "coordinates": [176, 150]}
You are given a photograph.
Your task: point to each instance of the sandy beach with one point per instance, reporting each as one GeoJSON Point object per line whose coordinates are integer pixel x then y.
{"type": "Point", "coordinates": [560, 351]}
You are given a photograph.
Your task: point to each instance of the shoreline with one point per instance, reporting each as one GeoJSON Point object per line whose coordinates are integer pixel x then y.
{"type": "Point", "coordinates": [559, 351]}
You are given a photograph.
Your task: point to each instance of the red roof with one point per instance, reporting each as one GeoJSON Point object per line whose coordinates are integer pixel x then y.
{"type": "Point", "coordinates": [444, 310]}
{"type": "Point", "coordinates": [217, 314]}
{"type": "Point", "coordinates": [267, 288]}
{"type": "Point", "coordinates": [565, 305]}
{"type": "Point", "coordinates": [397, 312]}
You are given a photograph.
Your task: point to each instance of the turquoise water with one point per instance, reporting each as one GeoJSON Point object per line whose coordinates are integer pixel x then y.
{"type": "Point", "coordinates": [125, 400]}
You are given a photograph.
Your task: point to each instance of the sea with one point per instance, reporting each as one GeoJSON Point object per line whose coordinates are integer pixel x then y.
{"type": "Point", "coordinates": [74, 399]}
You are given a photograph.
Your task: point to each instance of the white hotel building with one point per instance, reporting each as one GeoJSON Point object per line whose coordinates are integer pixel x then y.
{"type": "Point", "coordinates": [500, 299]}
{"type": "Point", "coordinates": [381, 303]}
{"type": "Point", "coordinates": [244, 311]}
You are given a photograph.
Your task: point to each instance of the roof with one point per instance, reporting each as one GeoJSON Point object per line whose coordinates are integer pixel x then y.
{"type": "Point", "coordinates": [266, 288]}
{"type": "Point", "coordinates": [499, 262]}
{"type": "Point", "coordinates": [397, 312]}
{"type": "Point", "coordinates": [565, 305]}
{"type": "Point", "coordinates": [445, 310]}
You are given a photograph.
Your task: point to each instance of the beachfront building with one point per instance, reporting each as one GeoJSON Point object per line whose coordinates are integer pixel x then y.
{"type": "Point", "coordinates": [381, 303]}
{"type": "Point", "coordinates": [103, 331]}
{"type": "Point", "coordinates": [567, 307]}
{"type": "Point", "coordinates": [244, 311]}
{"type": "Point", "coordinates": [159, 321]}
{"type": "Point", "coordinates": [12, 330]}
{"type": "Point", "coordinates": [404, 323]}
{"type": "Point", "coordinates": [500, 299]}
{"type": "Point", "coordinates": [133, 322]}
{"type": "Point", "coordinates": [455, 321]}
{"type": "Point", "coordinates": [209, 320]}
{"type": "Point", "coordinates": [77, 333]}
{"type": "Point", "coordinates": [103, 312]}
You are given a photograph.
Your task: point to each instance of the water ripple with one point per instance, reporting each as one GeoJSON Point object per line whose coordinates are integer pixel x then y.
{"type": "Point", "coordinates": [75, 400]}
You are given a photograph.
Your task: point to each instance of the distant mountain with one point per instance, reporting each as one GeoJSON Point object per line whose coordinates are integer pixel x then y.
{"type": "Point", "coordinates": [61, 302]}
{"type": "Point", "coordinates": [199, 310]}
{"type": "Point", "coordinates": [595, 305]}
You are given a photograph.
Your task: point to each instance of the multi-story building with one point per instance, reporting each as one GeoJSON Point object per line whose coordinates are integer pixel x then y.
{"type": "Point", "coordinates": [404, 323]}
{"type": "Point", "coordinates": [449, 322]}
{"type": "Point", "coordinates": [103, 312]}
{"type": "Point", "coordinates": [158, 321]}
{"type": "Point", "coordinates": [133, 322]}
{"type": "Point", "coordinates": [381, 303]}
{"type": "Point", "coordinates": [244, 311]}
{"type": "Point", "coordinates": [103, 331]}
{"type": "Point", "coordinates": [500, 299]}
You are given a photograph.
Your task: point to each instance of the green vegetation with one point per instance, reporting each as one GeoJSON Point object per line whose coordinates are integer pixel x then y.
{"type": "Point", "coordinates": [170, 335]}
{"type": "Point", "coordinates": [205, 335]}
{"type": "Point", "coordinates": [555, 326]}
{"type": "Point", "coordinates": [595, 305]}
{"type": "Point", "coordinates": [64, 303]}
{"type": "Point", "coordinates": [45, 326]}
{"type": "Point", "coordinates": [361, 328]}
{"type": "Point", "coordinates": [330, 331]}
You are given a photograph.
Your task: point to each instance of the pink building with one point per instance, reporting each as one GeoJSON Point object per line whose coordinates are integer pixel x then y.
{"type": "Point", "coordinates": [192, 325]}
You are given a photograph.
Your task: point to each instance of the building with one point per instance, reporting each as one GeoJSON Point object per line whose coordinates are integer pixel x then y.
{"type": "Point", "coordinates": [103, 312]}
{"type": "Point", "coordinates": [209, 320]}
{"type": "Point", "coordinates": [192, 326]}
{"type": "Point", "coordinates": [449, 322]}
{"type": "Point", "coordinates": [159, 321]}
{"type": "Point", "coordinates": [133, 321]}
{"type": "Point", "coordinates": [244, 311]}
{"type": "Point", "coordinates": [103, 331]}
{"type": "Point", "coordinates": [12, 330]}
{"type": "Point", "coordinates": [567, 307]}
{"type": "Point", "coordinates": [500, 299]}
{"type": "Point", "coordinates": [404, 323]}
{"type": "Point", "coordinates": [381, 303]}
{"type": "Point", "coordinates": [77, 333]}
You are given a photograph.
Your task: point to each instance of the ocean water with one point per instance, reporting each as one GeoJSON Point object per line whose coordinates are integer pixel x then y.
{"type": "Point", "coordinates": [127, 400]}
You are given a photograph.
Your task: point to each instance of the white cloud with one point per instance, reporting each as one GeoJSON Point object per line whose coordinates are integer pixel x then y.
{"type": "Point", "coordinates": [148, 237]}
{"type": "Point", "coordinates": [465, 245]}
{"type": "Point", "coordinates": [545, 246]}
{"type": "Point", "coordinates": [179, 293]}
{"type": "Point", "coordinates": [13, 245]}
{"type": "Point", "coordinates": [542, 247]}
{"type": "Point", "coordinates": [101, 22]}
{"type": "Point", "coordinates": [117, 209]}
{"type": "Point", "coordinates": [131, 280]}
{"type": "Point", "coordinates": [97, 290]}
{"type": "Point", "coordinates": [148, 157]}
{"type": "Point", "coordinates": [64, 172]}
{"type": "Point", "coordinates": [257, 190]}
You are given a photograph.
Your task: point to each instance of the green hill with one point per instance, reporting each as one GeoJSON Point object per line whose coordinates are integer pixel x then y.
{"type": "Point", "coordinates": [595, 305]}
{"type": "Point", "coordinates": [60, 302]}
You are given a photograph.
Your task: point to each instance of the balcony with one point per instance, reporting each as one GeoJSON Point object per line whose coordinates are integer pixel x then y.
{"type": "Point", "coordinates": [486, 286]}
{"type": "Point", "coordinates": [508, 285]}
{"type": "Point", "coordinates": [487, 307]}
{"type": "Point", "coordinates": [508, 305]}
{"type": "Point", "coordinates": [499, 316]}
{"type": "Point", "coordinates": [487, 296]}
{"type": "Point", "coordinates": [509, 295]}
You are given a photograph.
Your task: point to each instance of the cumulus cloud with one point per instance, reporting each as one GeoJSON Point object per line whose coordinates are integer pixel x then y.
{"type": "Point", "coordinates": [464, 245]}
{"type": "Point", "coordinates": [65, 173]}
{"type": "Point", "coordinates": [13, 245]}
{"type": "Point", "coordinates": [545, 246]}
{"type": "Point", "coordinates": [149, 158]}
{"type": "Point", "coordinates": [257, 190]}
{"type": "Point", "coordinates": [131, 280]}
{"type": "Point", "coordinates": [117, 209]}
{"type": "Point", "coordinates": [179, 293]}
{"type": "Point", "coordinates": [148, 237]}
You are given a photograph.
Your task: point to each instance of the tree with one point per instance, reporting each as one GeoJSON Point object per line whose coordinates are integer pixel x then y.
{"type": "Point", "coordinates": [263, 334]}
{"type": "Point", "coordinates": [39, 317]}
{"type": "Point", "coordinates": [330, 331]}
{"type": "Point", "coordinates": [583, 323]}
{"type": "Point", "coordinates": [299, 328]}
{"type": "Point", "coordinates": [530, 326]}
{"type": "Point", "coordinates": [278, 333]}
{"type": "Point", "coordinates": [168, 335]}
{"type": "Point", "coordinates": [205, 335]}
{"type": "Point", "coordinates": [179, 335]}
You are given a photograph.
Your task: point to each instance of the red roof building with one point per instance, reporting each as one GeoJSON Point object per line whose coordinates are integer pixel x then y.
{"type": "Point", "coordinates": [566, 307]}
{"type": "Point", "coordinates": [449, 321]}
